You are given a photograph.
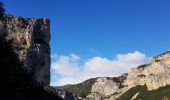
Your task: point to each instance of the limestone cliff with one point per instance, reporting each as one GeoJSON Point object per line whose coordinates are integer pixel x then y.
{"type": "Point", "coordinates": [153, 75]}
{"type": "Point", "coordinates": [19, 80]}
{"type": "Point", "coordinates": [107, 88]}
{"type": "Point", "coordinates": [30, 38]}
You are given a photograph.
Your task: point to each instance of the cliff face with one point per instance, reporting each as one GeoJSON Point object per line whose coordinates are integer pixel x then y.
{"type": "Point", "coordinates": [25, 59]}
{"type": "Point", "coordinates": [154, 75]}
{"type": "Point", "coordinates": [107, 88]}
{"type": "Point", "coordinates": [31, 44]}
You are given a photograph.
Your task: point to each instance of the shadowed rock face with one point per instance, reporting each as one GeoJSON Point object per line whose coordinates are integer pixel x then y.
{"type": "Point", "coordinates": [31, 39]}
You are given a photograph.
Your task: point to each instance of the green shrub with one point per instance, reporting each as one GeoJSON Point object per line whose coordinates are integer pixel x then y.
{"type": "Point", "coordinates": [131, 92]}
{"type": "Point", "coordinates": [159, 94]}
{"type": "Point", "coordinates": [81, 89]}
{"type": "Point", "coordinates": [162, 93]}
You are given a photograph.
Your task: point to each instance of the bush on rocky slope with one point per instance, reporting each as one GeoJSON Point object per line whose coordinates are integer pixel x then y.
{"type": "Point", "coordinates": [162, 93]}
{"type": "Point", "coordinates": [131, 92]}
{"type": "Point", "coordinates": [82, 89]}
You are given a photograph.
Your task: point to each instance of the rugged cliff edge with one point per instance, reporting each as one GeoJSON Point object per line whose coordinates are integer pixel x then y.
{"type": "Point", "coordinates": [153, 75]}
{"type": "Point", "coordinates": [30, 38]}
{"type": "Point", "coordinates": [25, 58]}
{"type": "Point", "coordinates": [146, 82]}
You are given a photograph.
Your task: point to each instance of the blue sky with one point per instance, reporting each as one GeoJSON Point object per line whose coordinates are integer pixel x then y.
{"type": "Point", "coordinates": [100, 28]}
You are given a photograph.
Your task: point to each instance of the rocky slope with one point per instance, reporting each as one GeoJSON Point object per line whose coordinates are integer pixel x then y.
{"type": "Point", "coordinates": [80, 90]}
{"type": "Point", "coordinates": [107, 88]}
{"type": "Point", "coordinates": [141, 93]}
{"type": "Point", "coordinates": [153, 78]}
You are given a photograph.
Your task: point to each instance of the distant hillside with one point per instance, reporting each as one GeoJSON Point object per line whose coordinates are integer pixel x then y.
{"type": "Point", "coordinates": [80, 90]}
{"type": "Point", "coordinates": [83, 89]}
{"type": "Point", "coordinates": [145, 82]}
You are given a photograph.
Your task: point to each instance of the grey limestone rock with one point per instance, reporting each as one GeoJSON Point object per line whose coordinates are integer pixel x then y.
{"type": "Point", "coordinates": [30, 40]}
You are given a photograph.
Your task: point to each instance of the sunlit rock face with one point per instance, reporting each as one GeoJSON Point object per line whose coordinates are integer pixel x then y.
{"type": "Point", "coordinates": [154, 75]}
{"type": "Point", "coordinates": [104, 87]}
{"type": "Point", "coordinates": [30, 40]}
{"type": "Point", "coordinates": [107, 88]}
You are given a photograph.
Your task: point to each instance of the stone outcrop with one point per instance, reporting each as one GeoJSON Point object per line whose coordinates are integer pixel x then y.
{"type": "Point", "coordinates": [25, 59]}
{"type": "Point", "coordinates": [153, 75]}
{"type": "Point", "coordinates": [107, 88]}
{"type": "Point", "coordinates": [94, 96]}
{"type": "Point", "coordinates": [30, 41]}
{"type": "Point", "coordinates": [65, 95]}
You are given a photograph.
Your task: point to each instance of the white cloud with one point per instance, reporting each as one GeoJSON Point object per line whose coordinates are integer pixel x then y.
{"type": "Point", "coordinates": [66, 66]}
{"type": "Point", "coordinates": [71, 71]}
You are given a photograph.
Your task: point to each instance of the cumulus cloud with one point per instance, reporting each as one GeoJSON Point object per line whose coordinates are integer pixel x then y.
{"type": "Point", "coordinates": [72, 69]}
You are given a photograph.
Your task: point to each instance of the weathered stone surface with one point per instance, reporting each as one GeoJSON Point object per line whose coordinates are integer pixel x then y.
{"type": "Point", "coordinates": [107, 88]}
{"type": "Point", "coordinates": [66, 95]}
{"type": "Point", "coordinates": [154, 75]}
{"type": "Point", "coordinates": [31, 39]}
{"type": "Point", "coordinates": [94, 96]}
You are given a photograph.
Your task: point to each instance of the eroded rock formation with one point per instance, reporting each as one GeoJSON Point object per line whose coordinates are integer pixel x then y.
{"type": "Point", "coordinates": [25, 59]}
{"type": "Point", "coordinates": [107, 88]}
{"type": "Point", "coordinates": [153, 75]}
{"type": "Point", "coordinates": [31, 43]}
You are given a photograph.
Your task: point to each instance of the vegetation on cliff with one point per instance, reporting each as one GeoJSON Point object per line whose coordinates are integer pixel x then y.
{"type": "Point", "coordinates": [80, 90]}
{"type": "Point", "coordinates": [162, 93]}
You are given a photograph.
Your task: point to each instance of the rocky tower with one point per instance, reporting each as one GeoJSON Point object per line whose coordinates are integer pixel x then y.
{"type": "Point", "coordinates": [30, 40]}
